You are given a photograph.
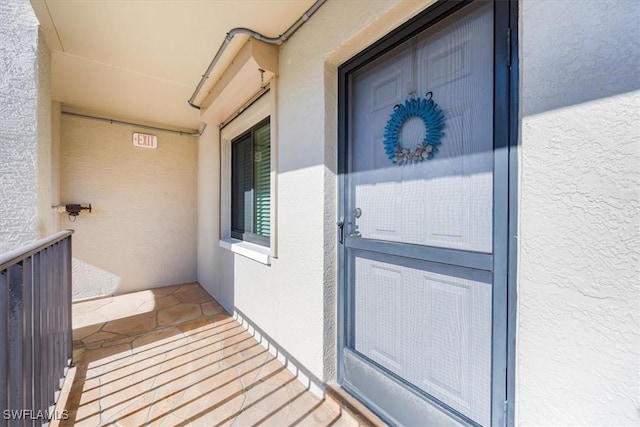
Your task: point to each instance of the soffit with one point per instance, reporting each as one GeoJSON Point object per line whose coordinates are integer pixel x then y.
{"type": "Point", "coordinates": [143, 59]}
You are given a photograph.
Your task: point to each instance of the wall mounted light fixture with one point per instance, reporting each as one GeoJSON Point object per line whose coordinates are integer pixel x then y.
{"type": "Point", "coordinates": [73, 209]}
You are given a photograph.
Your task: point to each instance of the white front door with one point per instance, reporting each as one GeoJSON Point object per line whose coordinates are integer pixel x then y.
{"type": "Point", "coordinates": [418, 242]}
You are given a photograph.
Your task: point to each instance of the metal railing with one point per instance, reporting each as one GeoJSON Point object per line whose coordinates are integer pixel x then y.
{"type": "Point", "coordinates": [35, 328]}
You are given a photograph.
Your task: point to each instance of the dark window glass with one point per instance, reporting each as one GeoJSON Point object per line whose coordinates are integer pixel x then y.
{"type": "Point", "coordinates": [251, 185]}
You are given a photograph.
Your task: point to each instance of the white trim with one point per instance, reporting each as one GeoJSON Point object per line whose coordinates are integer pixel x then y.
{"type": "Point", "coordinates": [273, 122]}
{"type": "Point", "coordinates": [246, 249]}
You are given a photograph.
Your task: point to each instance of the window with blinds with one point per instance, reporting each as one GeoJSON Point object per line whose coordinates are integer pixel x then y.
{"type": "Point", "coordinates": [251, 185]}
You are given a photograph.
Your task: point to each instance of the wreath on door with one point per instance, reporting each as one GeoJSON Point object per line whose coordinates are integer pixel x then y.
{"type": "Point", "coordinates": [433, 119]}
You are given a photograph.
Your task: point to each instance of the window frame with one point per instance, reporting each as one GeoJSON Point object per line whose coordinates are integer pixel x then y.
{"type": "Point", "coordinates": [245, 236]}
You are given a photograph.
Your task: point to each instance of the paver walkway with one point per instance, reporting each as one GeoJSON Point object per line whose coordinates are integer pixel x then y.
{"type": "Point", "coordinates": [173, 357]}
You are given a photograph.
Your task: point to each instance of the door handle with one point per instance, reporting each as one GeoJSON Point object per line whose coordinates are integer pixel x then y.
{"type": "Point", "coordinates": [340, 225]}
{"type": "Point", "coordinates": [355, 234]}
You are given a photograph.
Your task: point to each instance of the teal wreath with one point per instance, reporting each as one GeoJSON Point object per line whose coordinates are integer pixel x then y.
{"type": "Point", "coordinates": [433, 118]}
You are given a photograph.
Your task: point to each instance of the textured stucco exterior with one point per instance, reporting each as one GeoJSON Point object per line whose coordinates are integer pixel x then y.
{"type": "Point", "coordinates": [577, 327]}
{"type": "Point", "coordinates": [142, 231]}
{"type": "Point", "coordinates": [578, 335]}
{"type": "Point", "coordinates": [25, 127]}
{"type": "Point", "coordinates": [209, 271]}
{"type": "Point", "coordinates": [56, 110]}
{"type": "Point", "coordinates": [293, 300]}
{"type": "Point", "coordinates": [44, 132]}
{"type": "Point", "coordinates": [156, 212]}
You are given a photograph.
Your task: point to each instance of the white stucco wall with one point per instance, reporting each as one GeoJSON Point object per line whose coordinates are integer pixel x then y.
{"type": "Point", "coordinates": [56, 110]}
{"type": "Point", "coordinates": [293, 300]}
{"type": "Point", "coordinates": [209, 271]}
{"type": "Point", "coordinates": [25, 127]}
{"type": "Point", "coordinates": [578, 335]}
{"type": "Point", "coordinates": [142, 231]}
{"type": "Point", "coordinates": [578, 342]}
{"type": "Point", "coordinates": [44, 132]}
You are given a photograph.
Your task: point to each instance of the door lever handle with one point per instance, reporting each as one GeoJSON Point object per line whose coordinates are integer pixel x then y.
{"type": "Point", "coordinates": [355, 234]}
{"type": "Point", "coordinates": [340, 225]}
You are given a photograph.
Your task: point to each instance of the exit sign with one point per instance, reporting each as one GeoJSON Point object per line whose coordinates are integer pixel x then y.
{"type": "Point", "coordinates": [145, 140]}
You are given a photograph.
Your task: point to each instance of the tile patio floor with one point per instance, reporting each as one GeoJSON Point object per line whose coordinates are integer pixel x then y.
{"type": "Point", "coordinates": [173, 357]}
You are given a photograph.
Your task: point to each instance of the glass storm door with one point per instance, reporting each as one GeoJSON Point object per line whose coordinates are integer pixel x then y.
{"type": "Point", "coordinates": [424, 312]}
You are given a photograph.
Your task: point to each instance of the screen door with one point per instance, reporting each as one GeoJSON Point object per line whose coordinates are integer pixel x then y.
{"type": "Point", "coordinates": [418, 236]}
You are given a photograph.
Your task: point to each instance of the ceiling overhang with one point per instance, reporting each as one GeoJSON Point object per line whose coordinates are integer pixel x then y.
{"type": "Point", "coordinates": [250, 71]}
{"type": "Point", "coordinates": [142, 60]}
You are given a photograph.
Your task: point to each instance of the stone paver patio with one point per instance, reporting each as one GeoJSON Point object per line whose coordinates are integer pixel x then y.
{"type": "Point", "coordinates": [173, 357]}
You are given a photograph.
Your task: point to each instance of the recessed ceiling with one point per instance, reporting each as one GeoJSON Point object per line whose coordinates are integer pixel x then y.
{"type": "Point", "coordinates": [142, 60]}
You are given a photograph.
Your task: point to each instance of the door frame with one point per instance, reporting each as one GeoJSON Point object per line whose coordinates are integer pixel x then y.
{"type": "Point", "coordinates": [504, 190]}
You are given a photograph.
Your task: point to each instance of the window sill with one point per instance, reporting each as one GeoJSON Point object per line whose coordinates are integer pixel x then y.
{"type": "Point", "coordinates": [262, 254]}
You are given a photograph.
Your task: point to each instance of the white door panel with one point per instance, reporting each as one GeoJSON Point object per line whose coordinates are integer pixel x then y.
{"type": "Point", "coordinates": [419, 311]}
{"type": "Point", "coordinates": [449, 196]}
{"type": "Point", "coordinates": [432, 329]}
{"type": "Point", "coordinates": [379, 329]}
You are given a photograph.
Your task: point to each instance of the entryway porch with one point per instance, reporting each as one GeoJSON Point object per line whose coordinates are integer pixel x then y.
{"type": "Point", "coordinates": [173, 357]}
